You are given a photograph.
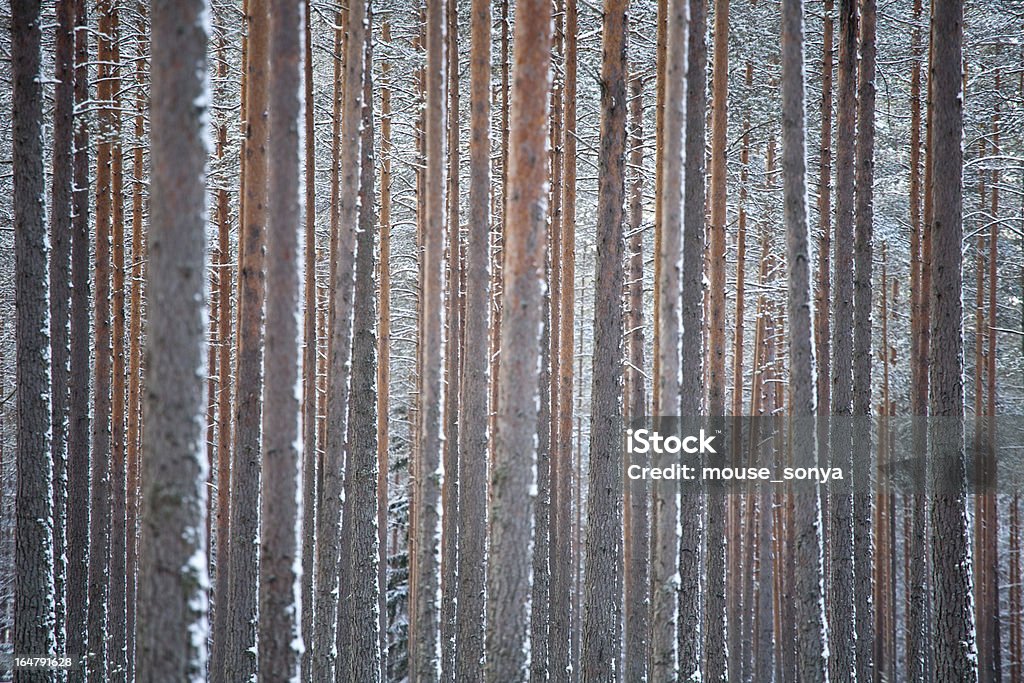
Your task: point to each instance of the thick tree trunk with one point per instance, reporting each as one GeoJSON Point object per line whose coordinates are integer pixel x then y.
{"type": "Point", "coordinates": [281, 501]}
{"type": "Point", "coordinates": [172, 620]}
{"type": "Point", "coordinates": [811, 644]}
{"type": "Point", "coordinates": [33, 548]}
{"type": "Point", "coordinates": [602, 620]}
{"type": "Point", "coordinates": [513, 472]}
{"type": "Point", "coordinates": [955, 657]}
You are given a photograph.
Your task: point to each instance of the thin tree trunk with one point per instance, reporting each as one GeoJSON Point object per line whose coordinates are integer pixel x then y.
{"type": "Point", "coordinates": [841, 532]}
{"type": "Point", "coordinates": [309, 352]}
{"type": "Point", "coordinates": [33, 548]}
{"type": "Point", "coordinates": [716, 652]}
{"type": "Point", "coordinates": [513, 476]}
{"type": "Point", "coordinates": [384, 349]}
{"type": "Point", "coordinates": [100, 485]}
{"type": "Point", "coordinates": [328, 560]}
{"type": "Point", "coordinates": [361, 649]}
{"type": "Point", "coordinates": [172, 564]}
{"type": "Point", "coordinates": [691, 511]}
{"type": "Point", "coordinates": [562, 609]}
{"type": "Point", "coordinates": [473, 443]}
{"type": "Point", "coordinates": [602, 620]}
{"type": "Point", "coordinates": [954, 625]}
{"type": "Point", "coordinates": [637, 578]}
{"type": "Point", "coordinates": [78, 408]}
{"type": "Point", "coordinates": [811, 641]}
{"type": "Point", "coordinates": [862, 328]}
{"type": "Point", "coordinates": [60, 295]}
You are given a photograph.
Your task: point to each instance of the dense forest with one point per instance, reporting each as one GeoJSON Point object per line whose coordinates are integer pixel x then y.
{"type": "Point", "coordinates": [326, 328]}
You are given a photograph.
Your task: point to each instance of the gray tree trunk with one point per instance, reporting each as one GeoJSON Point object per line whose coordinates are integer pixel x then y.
{"type": "Point", "coordinates": [173, 582]}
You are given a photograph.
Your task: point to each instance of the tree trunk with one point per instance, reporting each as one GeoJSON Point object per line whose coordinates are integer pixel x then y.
{"type": "Point", "coordinates": [955, 657]}
{"type": "Point", "coordinates": [33, 560]}
{"type": "Point", "coordinates": [473, 441]}
{"type": "Point", "coordinates": [172, 619]}
{"type": "Point", "coordinates": [691, 511]}
{"type": "Point", "coordinates": [243, 562]}
{"type": "Point", "coordinates": [513, 476]}
{"type": "Point", "coordinates": [328, 560]}
{"type": "Point", "coordinates": [60, 296]}
{"type": "Point", "coordinates": [78, 408]}
{"type": "Point", "coordinates": [602, 621]}
{"type": "Point", "coordinates": [280, 502]}
{"type": "Point", "coordinates": [360, 649]}
{"type": "Point", "coordinates": [636, 567]}
{"type": "Point", "coordinates": [843, 643]}
{"type": "Point", "coordinates": [809, 602]}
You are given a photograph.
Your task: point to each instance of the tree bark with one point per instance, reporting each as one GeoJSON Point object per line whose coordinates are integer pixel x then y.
{"type": "Point", "coordinates": [955, 657]}
{"type": "Point", "coordinates": [515, 449]}
{"type": "Point", "coordinates": [473, 442]}
{"type": "Point", "coordinates": [33, 547]}
{"type": "Point", "coordinates": [172, 552]}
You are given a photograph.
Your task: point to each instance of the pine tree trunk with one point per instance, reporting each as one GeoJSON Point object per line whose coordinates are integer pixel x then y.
{"type": "Point", "coordinates": [473, 442]}
{"type": "Point", "coordinates": [807, 590]}
{"type": "Point", "coordinates": [360, 649]}
{"type": "Point", "coordinates": [954, 624]}
{"type": "Point", "coordinates": [329, 559]}
{"type": "Point", "coordinates": [33, 548]}
{"type": "Point", "coordinates": [691, 511]}
{"type": "Point", "coordinates": [562, 580]}
{"type": "Point", "coordinates": [512, 476]}
{"type": "Point", "coordinates": [78, 408]}
{"type": "Point", "coordinates": [280, 502]}
{"type": "Point", "coordinates": [841, 532]}
{"type": "Point", "coordinates": [173, 581]}
{"type": "Point", "coordinates": [60, 296]}
{"type": "Point", "coordinates": [636, 567]}
{"type": "Point", "coordinates": [602, 620]}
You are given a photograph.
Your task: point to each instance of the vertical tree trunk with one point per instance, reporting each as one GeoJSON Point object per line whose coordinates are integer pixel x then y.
{"type": "Point", "coordinates": [135, 339]}
{"type": "Point", "coordinates": [99, 470]}
{"type": "Point", "coordinates": [360, 649]}
{"type": "Point", "coordinates": [669, 261]}
{"type": "Point", "coordinates": [328, 526]}
{"type": "Point", "coordinates": [862, 324]}
{"type": "Point", "coordinates": [281, 500]}
{"type": "Point", "coordinates": [513, 476]}
{"type": "Point", "coordinates": [843, 643]}
{"type": "Point", "coordinates": [384, 348]}
{"type": "Point", "coordinates": [309, 351]}
{"type": "Point", "coordinates": [33, 553]}
{"type": "Point", "coordinates": [473, 442]}
{"type": "Point", "coordinates": [452, 355]}
{"type": "Point", "coordinates": [78, 408]}
{"type": "Point", "coordinates": [243, 561]}
{"type": "Point", "coordinates": [562, 609]}
{"type": "Point", "coordinates": [602, 621]}
{"type": "Point", "coordinates": [691, 509]}
{"type": "Point", "coordinates": [60, 296]}
{"type": "Point", "coordinates": [811, 641]}
{"type": "Point", "coordinates": [954, 625]}
{"type": "Point", "coordinates": [172, 620]}
{"type": "Point", "coordinates": [716, 650]}
{"type": "Point", "coordinates": [823, 292]}
{"type": "Point", "coordinates": [636, 567]}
